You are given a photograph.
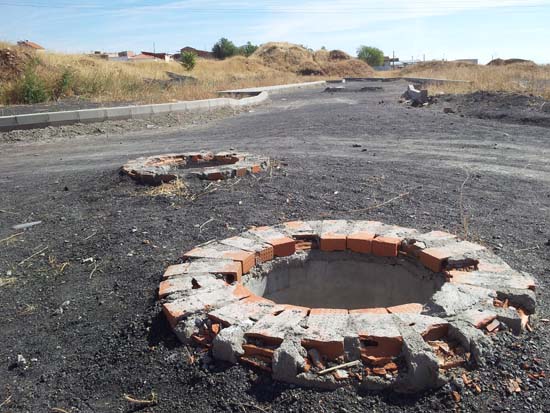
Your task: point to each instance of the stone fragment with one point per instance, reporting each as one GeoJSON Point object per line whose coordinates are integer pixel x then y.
{"type": "Point", "coordinates": [228, 344]}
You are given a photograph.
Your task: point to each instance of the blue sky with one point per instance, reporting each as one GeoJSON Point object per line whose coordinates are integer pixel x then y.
{"type": "Point", "coordinates": [435, 29]}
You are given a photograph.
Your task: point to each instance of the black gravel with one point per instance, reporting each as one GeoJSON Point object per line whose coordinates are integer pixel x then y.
{"type": "Point", "coordinates": [91, 331]}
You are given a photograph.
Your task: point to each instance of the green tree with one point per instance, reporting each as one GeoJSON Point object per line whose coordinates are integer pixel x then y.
{"type": "Point", "coordinates": [224, 48]}
{"type": "Point", "coordinates": [247, 49]}
{"type": "Point", "coordinates": [371, 55]}
{"type": "Point", "coordinates": [188, 60]}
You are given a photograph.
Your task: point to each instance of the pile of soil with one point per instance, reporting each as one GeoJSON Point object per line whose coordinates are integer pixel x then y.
{"type": "Point", "coordinates": [13, 62]}
{"type": "Point", "coordinates": [504, 107]}
{"type": "Point", "coordinates": [294, 58]}
{"type": "Point", "coordinates": [506, 62]}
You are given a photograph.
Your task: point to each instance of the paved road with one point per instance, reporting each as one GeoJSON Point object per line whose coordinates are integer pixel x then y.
{"type": "Point", "coordinates": [315, 123]}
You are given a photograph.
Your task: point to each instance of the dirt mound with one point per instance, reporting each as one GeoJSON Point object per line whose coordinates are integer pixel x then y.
{"type": "Point", "coordinates": [506, 62]}
{"type": "Point", "coordinates": [284, 56]}
{"type": "Point", "coordinates": [13, 62]}
{"type": "Point", "coordinates": [297, 59]}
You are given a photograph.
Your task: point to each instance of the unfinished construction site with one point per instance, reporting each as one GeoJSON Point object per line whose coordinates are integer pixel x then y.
{"type": "Point", "coordinates": [285, 231]}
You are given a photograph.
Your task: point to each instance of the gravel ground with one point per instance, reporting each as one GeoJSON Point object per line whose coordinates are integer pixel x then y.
{"type": "Point", "coordinates": [81, 326]}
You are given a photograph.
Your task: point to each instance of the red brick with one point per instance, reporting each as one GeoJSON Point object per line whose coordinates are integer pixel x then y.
{"type": "Point", "coordinates": [214, 176]}
{"type": "Point", "coordinates": [241, 291]}
{"type": "Point", "coordinates": [283, 247]}
{"type": "Point", "coordinates": [373, 310]}
{"type": "Point", "coordinates": [435, 258]}
{"type": "Point", "coordinates": [360, 242]}
{"type": "Point", "coordinates": [333, 242]}
{"type": "Point", "coordinates": [253, 298]}
{"type": "Point", "coordinates": [246, 258]}
{"type": "Point", "coordinates": [435, 332]}
{"type": "Point", "coordinates": [385, 346]}
{"type": "Point", "coordinates": [386, 246]}
{"type": "Point", "coordinates": [240, 172]}
{"type": "Point", "coordinates": [414, 308]}
{"type": "Point", "coordinates": [255, 169]}
{"type": "Point", "coordinates": [266, 254]}
{"type": "Point", "coordinates": [252, 350]}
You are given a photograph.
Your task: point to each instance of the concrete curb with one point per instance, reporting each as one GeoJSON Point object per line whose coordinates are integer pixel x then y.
{"type": "Point", "coordinates": [421, 80]}
{"type": "Point", "coordinates": [273, 89]}
{"type": "Point", "coordinates": [41, 120]}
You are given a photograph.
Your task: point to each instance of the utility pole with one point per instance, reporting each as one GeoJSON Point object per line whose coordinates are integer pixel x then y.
{"type": "Point", "coordinates": [393, 60]}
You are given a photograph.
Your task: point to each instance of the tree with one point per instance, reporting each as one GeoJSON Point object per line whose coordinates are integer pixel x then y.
{"type": "Point", "coordinates": [371, 55]}
{"type": "Point", "coordinates": [224, 48]}
{"type": "Point", "coordinates": [188, 60]}
{"type": "Point", "coordinates": [247, 49]}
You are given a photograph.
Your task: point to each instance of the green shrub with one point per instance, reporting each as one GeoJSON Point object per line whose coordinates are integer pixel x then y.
{"type": "Point", "coordinates": [32, 89]}
{"type": "Point", "coordinates": [188, 60]}
{"type": "Point", "coordinates": [224, 48]}
{"type": "Point", "coordinates": [247, 49]}
{"type": "Point", "coordinates": [64, 85]}
{"type": "Point", "coordinates": [371, 55]}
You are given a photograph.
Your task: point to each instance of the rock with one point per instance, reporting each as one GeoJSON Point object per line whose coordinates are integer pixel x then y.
{"type": "Point", "coordinates": [448, 110]}
{"type": "Point", "coordinates": [545, 107]}
{"type": "Point", "coordinates": [288, 360]}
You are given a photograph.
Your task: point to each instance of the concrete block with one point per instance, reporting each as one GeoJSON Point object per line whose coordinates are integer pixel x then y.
{"type": "Point", "coordinates": [8, 122]}
{"type": "Point", "coordinates": [91, 115]}
{"type": "Point", "coordinates": [63, 118]}
{"type": "Point", "coordinates": [119, 113]}
{"type": "Point", "coordinates": [33, 119]}
{"type": "Point", "coordinates": [142, 111]}
{"type": "Point", "coordinates": [161, 108]}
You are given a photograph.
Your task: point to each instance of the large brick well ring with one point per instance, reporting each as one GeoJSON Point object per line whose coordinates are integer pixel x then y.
{"type": "Point", "coordinates": [333, 303]}
{"type": "Point", "coordinates": [155, 170]}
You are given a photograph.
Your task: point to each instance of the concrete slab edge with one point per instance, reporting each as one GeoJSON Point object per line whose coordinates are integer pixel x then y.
{"type": "Point", "coordinates": [44, 119]}
{"type": "Point", "coordinates": [273, 89]}
{"type": "Point", "coordinates": [422, 80]}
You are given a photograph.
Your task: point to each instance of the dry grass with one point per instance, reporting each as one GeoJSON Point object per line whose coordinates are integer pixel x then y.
{"type": "Point", "coordinates": [522, 78]}
{"type": "Point", "coordinates": [100, 80]}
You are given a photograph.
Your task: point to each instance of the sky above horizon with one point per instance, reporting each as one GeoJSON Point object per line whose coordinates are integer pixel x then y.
{"type": "Point", "coordinates": [430, 29]}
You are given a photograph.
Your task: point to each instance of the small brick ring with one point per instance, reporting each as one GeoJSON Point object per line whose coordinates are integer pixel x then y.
{"type": "Point", "coordinates": [155, 170]}
{"type": "Point", "coordinates": [331, 303]}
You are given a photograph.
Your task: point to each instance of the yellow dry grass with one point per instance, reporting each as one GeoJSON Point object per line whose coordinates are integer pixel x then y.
{"type": "Point", "coordinates": [522, 78]}
{"type": "Point", "coordinates": [104, 80]}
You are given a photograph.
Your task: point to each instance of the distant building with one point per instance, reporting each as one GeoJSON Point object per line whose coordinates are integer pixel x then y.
{"type": "Point", "coordinates": [471, 61]}
{"type": "Point", "coordinates": [390, 63]}
{"type": "Point", "coordinates": [158, 56]}
{"type": "Point", "coordinates": [30, 45]}
{"type": "Point", "coordinates": [200, 53]}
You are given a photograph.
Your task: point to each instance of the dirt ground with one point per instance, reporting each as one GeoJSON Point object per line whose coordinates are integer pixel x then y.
{"type": "Point", "coordinates": [80, 323]}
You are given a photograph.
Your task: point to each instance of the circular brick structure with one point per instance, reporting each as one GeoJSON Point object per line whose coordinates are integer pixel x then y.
{"type": "Point", "coordinates": [382, 306]}
{"type": "Point", "coordinates": [155, 170]}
